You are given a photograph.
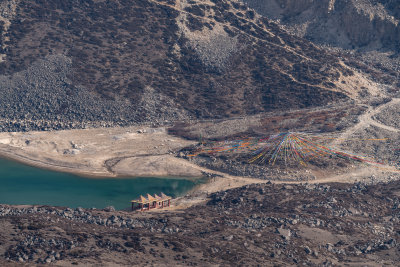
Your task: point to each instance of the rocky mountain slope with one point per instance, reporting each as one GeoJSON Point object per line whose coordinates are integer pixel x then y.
{"type": "Point", "coordinates": [366, 24]}
{"type": "Point", "coordinates": [123, 62]}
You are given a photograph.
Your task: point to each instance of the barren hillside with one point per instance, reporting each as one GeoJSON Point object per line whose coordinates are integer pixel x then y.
{"type": "Point", "coordinates": [67, 64]}
{"type": "Point", "coordinates": [365, 24]}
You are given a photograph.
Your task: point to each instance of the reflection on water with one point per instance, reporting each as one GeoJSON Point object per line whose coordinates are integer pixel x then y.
{"type": "Point", "coordinates": [21, 184]}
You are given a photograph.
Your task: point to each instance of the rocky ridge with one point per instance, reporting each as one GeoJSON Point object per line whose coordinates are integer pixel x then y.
{"type": "Point", "coordinates": [364, 24]}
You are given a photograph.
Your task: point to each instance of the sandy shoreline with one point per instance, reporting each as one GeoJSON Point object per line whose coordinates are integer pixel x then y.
{"type": "Point", "coordinates": [98, 153]}
{"type": "Point", "coordinates": [116, 153]}
{"type": "Point", "coordinates": [48, 166]}
{"type": "Point", "coordinates": [82, 173]}
{"type": "Point", "coordinates": [132, 152]}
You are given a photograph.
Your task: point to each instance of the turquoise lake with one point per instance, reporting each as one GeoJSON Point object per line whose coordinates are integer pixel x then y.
{"type": "Point", "coordinates": [21, 184]}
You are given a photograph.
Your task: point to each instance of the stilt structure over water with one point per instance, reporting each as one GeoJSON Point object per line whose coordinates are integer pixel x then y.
{"type": "Point", "coordinates": [151, 202]}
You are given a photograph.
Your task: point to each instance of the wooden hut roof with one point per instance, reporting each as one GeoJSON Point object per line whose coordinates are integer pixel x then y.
{"type": "Point", "coordinates": [150, 198]}
{"type": "Point", "coordinates": [165, 197]}
{"type": "Point", "coordinates": [141, 199]}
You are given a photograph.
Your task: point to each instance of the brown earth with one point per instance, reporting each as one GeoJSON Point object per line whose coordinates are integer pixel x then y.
{"type": "Point", "coordinates": [206, 59]}
{"type": "Point", "coordinates": [259, 225]}
{"type": "Point", "coordinates": [365, 25]}
{"type": "Point", "coordinates": [157, 61]}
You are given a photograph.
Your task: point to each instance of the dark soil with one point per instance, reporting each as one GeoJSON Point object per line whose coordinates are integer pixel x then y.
{"type": "Point", "coordinates": [258, 225]}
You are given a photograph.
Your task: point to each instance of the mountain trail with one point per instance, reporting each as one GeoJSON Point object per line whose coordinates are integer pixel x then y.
{"type": "Point", "coordinates": [367, 120]}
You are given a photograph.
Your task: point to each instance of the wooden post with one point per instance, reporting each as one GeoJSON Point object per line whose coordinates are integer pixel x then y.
{"type": "Point", "coordinates": [168, 202]}
{"type": "Point", "coordinates": [132, 206]}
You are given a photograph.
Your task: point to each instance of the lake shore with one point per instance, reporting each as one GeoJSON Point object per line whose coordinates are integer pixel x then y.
{"type": "Point", "coordinates": [22, 184]}
{"type": "Point", "coordinates": [116, 152]}
{"type": "Point", "coordinates": [133, 152]}
{"type": "Point", "coordinates": [101, 152]}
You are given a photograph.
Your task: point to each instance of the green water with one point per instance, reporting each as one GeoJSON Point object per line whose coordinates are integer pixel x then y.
{"type": "Point", "coordinates": [20, 184]}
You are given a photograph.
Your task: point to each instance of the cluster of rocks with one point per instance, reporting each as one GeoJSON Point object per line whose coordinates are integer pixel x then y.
{"type": "Point", "coordinates": [44, 98]}
{"type": "Point", "coordinates": [37, 249]}
{"type": "Point", "coordinates": [85, 216]}
{"type": "Point", "coordinates": [307, 224]}
{"type": "Point", "coordinates": [338, 210]}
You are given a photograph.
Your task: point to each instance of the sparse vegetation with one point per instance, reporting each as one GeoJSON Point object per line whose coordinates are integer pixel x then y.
{"type": "Point", "coordinates": [117, 49]}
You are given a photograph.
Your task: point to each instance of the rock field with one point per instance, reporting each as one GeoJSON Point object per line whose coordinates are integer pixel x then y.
{"type": "Point", "coordinates": [267, 225]}
{"type": "Point", "coordinates": [44, 98]}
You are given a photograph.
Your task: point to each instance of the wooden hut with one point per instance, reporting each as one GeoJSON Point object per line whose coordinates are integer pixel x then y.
{"type": "Point", "coordinates": [151, 202]}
